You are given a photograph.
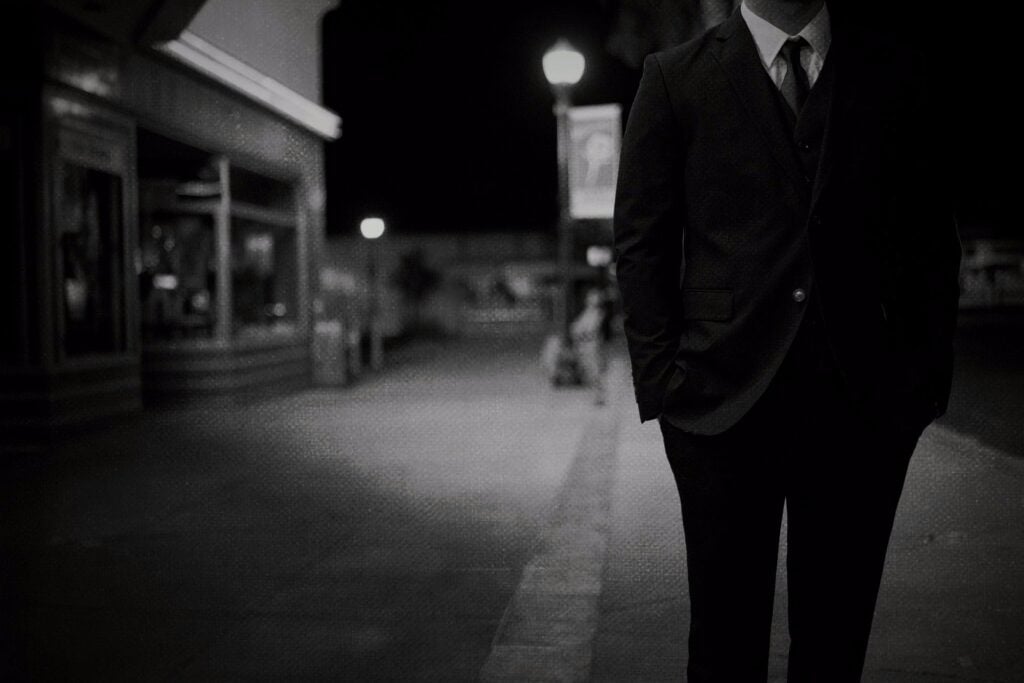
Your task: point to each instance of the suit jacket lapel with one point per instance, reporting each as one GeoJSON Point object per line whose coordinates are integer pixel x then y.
{"type": "Point", "coordinates": [736, 51]}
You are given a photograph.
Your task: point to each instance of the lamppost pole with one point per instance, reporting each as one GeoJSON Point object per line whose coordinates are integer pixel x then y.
{"type": "Point", "coordinates": [372, 229]}
{"type": "Point", "coordinates": [564, 315]}
{"type": "Point", "coordinates": [563, 68]}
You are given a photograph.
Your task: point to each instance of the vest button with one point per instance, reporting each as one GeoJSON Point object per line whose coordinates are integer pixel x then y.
{"type": "Point", "coordinates": [799, 295]}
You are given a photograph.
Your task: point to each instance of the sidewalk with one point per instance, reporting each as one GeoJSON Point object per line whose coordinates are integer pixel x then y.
{"type": "Point", "coordinates": [453, 519]}
{"type": "Point", "coordinates": [951, 605]}
{"type": "Point", "coordinates": [369, 533]}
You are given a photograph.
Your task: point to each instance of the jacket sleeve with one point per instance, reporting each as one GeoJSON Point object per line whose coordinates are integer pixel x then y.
{"type": "Point", "coordinates": [648, 235]}
{"type": "Point", "coordinates": [938, 254]}
{"type": "Point", "coordinates": [931, 249]}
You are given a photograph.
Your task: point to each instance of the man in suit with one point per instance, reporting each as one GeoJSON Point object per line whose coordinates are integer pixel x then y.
{"type": "Point", "coordinates": [788, 266]}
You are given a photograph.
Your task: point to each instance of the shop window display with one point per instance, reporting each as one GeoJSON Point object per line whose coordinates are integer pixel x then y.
{"type": "Point", "coordinates": [264, 256]}
{"type": "Point", "coordinates": [218, 255]}
{"type": "Point", "coordinates": [263, 278]}
{"type": "Point", "coordinates": [90, 260]}
{"type": "Point", "coordinates": [178, 276]}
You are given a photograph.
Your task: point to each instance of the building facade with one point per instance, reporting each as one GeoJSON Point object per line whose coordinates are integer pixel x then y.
{"type": "Point", "coordinates": [163, 203]}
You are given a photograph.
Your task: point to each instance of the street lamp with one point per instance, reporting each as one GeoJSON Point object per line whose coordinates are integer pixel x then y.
{"type": "Point", "coordinates": [563, 68]}
{"type": "Point", "coordinates": [372, 229]}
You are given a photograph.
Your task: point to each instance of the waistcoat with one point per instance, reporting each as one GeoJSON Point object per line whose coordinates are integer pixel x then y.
{"type": "Point", "coordinates": [807, 135]}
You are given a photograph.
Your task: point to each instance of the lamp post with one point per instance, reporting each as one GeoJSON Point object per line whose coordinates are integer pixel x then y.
{"type": "Point", "coordinates": [372, 229]}
{"type": "Point", "coordinates": [563, 68]}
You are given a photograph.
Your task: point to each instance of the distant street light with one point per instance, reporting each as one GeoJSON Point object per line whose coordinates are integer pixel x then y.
{"type": "Point", "coordinates": [372, 229]}
{"type": "Point", "coordinates": [563, 68]}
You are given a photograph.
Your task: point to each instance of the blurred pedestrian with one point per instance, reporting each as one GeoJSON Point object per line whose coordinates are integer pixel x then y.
{"type": "Point", "coordinates": [794, 164]}
{"type": "Point", "coordinates": [588, 336]}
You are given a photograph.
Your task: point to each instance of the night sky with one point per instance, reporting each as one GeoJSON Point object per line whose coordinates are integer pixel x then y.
{"type": "Point", "coordinates": [448, 124]}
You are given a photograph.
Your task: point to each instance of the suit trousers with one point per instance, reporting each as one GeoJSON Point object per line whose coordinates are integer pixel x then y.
{"type": "Point", "coordinates": [804, 445]}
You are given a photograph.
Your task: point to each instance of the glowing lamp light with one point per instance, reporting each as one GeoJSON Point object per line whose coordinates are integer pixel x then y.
{"type": "Point", "coordinates": [563, 65]}
{"type": "Point", "coordinates": [371, 228]}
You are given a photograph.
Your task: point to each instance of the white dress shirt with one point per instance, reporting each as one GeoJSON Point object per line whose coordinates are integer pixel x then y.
{"type": "Point", "coordinates": [770, 39]}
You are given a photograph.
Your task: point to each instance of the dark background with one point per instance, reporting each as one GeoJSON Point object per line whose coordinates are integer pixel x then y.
{"type": "Point", "coordinates": [448, 124]}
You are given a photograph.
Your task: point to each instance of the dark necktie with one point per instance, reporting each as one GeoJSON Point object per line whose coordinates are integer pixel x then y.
{"type": "Point", "coordinates": [795, 85]}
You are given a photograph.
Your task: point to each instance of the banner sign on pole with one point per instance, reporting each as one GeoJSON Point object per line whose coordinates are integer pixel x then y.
{"type": "Point", "coordinates": [594, 136]}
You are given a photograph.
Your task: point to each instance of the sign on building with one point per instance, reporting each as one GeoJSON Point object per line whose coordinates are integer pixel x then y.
{"type": "Point", "coordinates": [594, 135]}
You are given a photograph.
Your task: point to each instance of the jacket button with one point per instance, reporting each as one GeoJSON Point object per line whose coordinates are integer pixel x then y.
{"type": "Point", "coordinates": [799, 295]}
{"type": "Point", "coordinates": [804, 146]}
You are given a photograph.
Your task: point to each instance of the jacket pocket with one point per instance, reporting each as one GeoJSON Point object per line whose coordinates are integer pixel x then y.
{"type": "Point", "coordinates": [707, 304]}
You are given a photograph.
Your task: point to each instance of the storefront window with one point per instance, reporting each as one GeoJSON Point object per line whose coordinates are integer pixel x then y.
{"type": "Point", "coordinates": [90, 256]}
{"type": "Point", "coordinates": [180, 191]}
{"type": "Point", "coordinates": [264, 255]}
{"type": "Point", "coordinates": [178, 276]}
{"type": "Point", "coordinates": [264, 278]}
{"type": "Point", "coordinates": [218, 251]}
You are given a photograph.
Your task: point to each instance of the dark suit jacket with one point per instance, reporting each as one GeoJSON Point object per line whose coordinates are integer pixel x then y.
{"type": "Point", "coordinates": [716, 225]}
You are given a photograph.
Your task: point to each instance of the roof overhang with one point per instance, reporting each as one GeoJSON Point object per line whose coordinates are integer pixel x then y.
{"type": "Point", "coordinates": [200, 55]}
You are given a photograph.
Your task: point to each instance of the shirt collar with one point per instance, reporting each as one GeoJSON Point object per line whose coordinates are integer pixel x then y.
{"type": "Point", "coordinates": [770, 38]}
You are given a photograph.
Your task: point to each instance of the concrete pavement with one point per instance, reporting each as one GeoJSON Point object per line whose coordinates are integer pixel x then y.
{"type": "Point", "coordinates": [951, 605]}
{"type": "Point", "coordinates": [370, 533]}
{"type": "Point", "coordinates": [451, 519]}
